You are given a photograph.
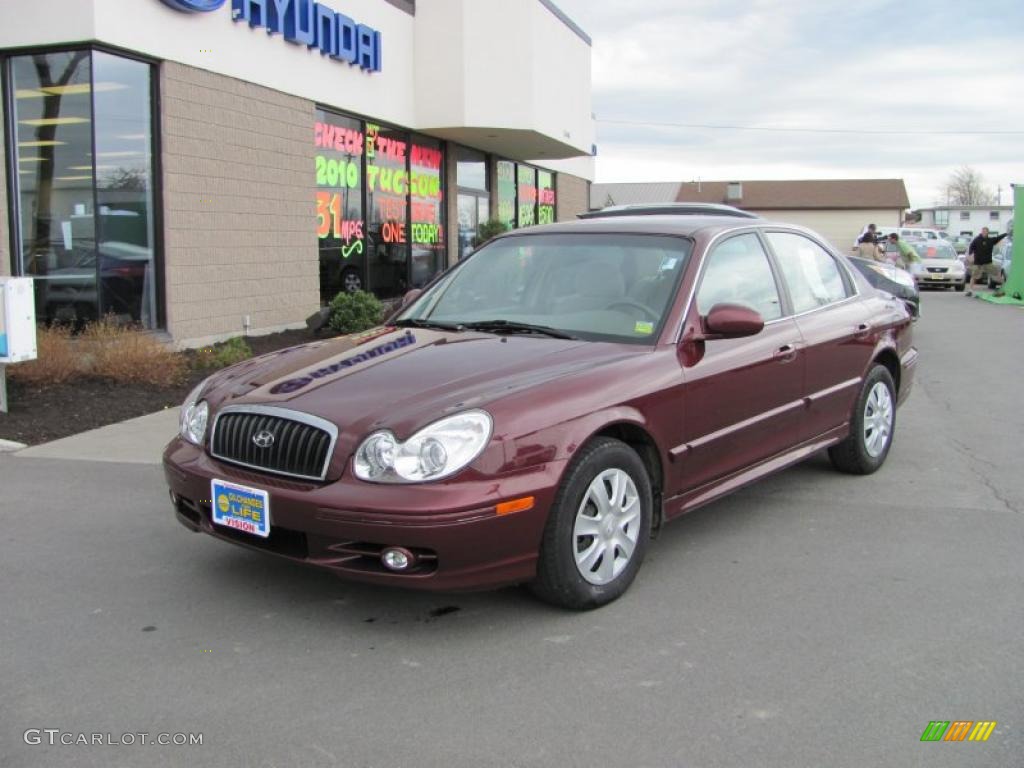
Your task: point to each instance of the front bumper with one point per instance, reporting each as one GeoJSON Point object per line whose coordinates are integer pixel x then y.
{"type": "Point", "coordinates": [452, 526]}
{"type": "Point", "coordinates": [943, 279]}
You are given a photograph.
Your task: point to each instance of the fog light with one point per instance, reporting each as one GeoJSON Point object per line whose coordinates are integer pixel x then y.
{"type": "Point", "coordinates": [397, 558]}
{"type": "Point", "coordinates": [174, 498]}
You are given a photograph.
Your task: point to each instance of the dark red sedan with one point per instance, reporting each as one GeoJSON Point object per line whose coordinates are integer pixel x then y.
{"type": "Point", "coordinates": [548, 402]}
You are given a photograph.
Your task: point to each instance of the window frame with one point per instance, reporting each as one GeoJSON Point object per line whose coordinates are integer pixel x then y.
{"type": "Point", "coordinates": [14, 233]}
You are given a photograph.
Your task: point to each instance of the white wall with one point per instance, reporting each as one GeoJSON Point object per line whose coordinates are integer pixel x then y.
{"type": "Point", "coordinates": [44, 22]}
{"type": "Point", "coordinates": [977, 218]}
{"type": "Point", "coordinates": [213, 41]}
{"type": "Point", "coordinates": [505, 64]}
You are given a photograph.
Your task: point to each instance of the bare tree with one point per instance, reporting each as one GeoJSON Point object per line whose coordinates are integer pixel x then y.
{"type": "Point", "coordinates": [967, 187]}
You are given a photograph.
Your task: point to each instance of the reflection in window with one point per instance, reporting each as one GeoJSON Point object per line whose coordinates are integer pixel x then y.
{"type": "Point", "coordinates": [545, 197]}
{"type": "Point", "coordinates": [339, 146]}
{"type": "Point", "coordinates": [507, 193]}
{"type": "Point", "coordinates": [387, 199]}
{"type": "Point", "coordinates": [471, 170]}
{"type": "Point", "coordinates": [526, 178]}
{"type": "Point", "coordinates": [124, 188]}
{"type": "Point", "coordinates": [426, 192]}
{"type": "Point", "coordinates": [473, 198]}
{"type": "Point", "coordinates": [86, 221]}
{"type": "Point", "coordinates": [810, 272]}
{"type": "Point", "coordinates": [737, 272]}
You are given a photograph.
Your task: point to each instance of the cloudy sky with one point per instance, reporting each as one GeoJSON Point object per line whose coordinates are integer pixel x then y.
{"type": "Point", "coordinates": [914, 82]}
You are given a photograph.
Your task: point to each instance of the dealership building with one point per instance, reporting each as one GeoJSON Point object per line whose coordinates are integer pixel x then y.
{"type": "Point", "coordinates": [206, 168]}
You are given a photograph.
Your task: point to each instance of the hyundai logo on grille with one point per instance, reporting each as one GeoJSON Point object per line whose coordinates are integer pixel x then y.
{"type": "Point", "coordinates": [263, 439]}
{"type": "Point", "coordinates": [194, 6]}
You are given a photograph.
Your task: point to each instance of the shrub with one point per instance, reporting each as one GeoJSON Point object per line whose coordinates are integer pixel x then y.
{"type": "Point", "coordinates": [355, 312]}
{"type": "Point", "coordinates": [222, 355]}
{"type": "Point", "coordinates": [488, 229]}
{"type": "Point", "coordinates": [127, 355]}
{"type": "Point", "coordinates": [57, 358]}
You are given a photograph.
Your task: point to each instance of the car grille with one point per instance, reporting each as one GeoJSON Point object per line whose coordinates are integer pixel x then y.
{"type": "Point", "coordinates": [937, 270]}
{"type": "Point", "coordinates": [299, 445]}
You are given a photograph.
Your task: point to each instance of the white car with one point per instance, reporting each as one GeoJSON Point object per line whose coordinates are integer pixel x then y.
{"type": "Point", "coordinates": [911, 233]}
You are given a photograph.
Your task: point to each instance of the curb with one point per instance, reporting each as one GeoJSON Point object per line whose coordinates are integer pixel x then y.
{"type": "Point", "coordinates": [9, 446]}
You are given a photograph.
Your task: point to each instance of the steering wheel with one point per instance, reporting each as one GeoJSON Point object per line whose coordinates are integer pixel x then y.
{"type": "Point", "coordinates": [651, 314]}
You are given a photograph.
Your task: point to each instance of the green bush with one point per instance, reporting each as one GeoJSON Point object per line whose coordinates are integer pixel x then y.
{"type": "Point", "coordinates": [232, 351]}
{"type": "Point", "coordinates": [355, 312]}
{"type": "Point", "coordinates": [487, 230]}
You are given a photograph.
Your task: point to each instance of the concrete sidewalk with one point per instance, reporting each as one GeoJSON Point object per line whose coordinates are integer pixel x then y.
{"type": "Point", "coordinates": [136, 441]}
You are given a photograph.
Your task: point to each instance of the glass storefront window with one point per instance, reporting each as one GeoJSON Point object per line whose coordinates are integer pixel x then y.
{"type": "Point", "coordinates": [339, 145]}
{"type": "Point", "coordinates": [545, 197]}
{"type": "Point", "coordinates": [471, 170]}
{"type": "Point", "coordinates": [526, 178]}
{"type": "Point", "coordinates": [426, 210]}
{"type": "Point", "coordinates": [84, 184]}
{"type": "Point", "coordinates": [474, 199]}
{"type": "Point", "coordinates": [387, 201]}
{"type": "Point", "coordinates": [124, 188]}
{"type": "Point", "coordinates": [507, 193]}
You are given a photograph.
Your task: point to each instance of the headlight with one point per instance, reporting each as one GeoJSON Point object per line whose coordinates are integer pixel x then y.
{"type": "Point", "coordinates": [192, 422]}
{"type": "Point", "coordinates": [436, 451]}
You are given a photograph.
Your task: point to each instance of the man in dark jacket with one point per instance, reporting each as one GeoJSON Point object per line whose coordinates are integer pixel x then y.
{"type": "Point", "coordinates": [979, 256]}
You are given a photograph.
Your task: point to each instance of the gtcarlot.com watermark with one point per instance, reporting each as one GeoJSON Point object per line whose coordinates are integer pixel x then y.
{"type": "Point", "coordinates": [57, 737]}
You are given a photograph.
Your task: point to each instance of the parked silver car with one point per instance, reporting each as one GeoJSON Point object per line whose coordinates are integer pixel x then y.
{"type": "Point", "coordinates": [940, 267]}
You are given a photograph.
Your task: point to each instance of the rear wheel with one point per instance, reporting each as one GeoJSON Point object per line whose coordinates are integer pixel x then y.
{"type": "Point", "coordinates": [871, 428]}
{"type": "Point", "coordinates": [598, 529]}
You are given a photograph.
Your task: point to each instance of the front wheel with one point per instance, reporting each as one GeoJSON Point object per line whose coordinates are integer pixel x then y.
{"type": "Point", "coordinates": [871, 428]}
{"type": "Point", "coordinates": [598, 528]}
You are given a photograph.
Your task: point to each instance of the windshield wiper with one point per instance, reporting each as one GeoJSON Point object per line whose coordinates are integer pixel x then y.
{"type": "Point", "coordinates": [415, 322]}
{"type": "Point", "coordinates": [510, 326]}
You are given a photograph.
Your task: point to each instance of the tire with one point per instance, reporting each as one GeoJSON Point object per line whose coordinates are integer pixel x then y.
{"type": "Point", "coordinates": [351, 280]}
{"type": "Point", "coordinates": [871, 428]}
{"type": "Point", "coordinates": [960, 287]}
{"type": "Point", "coordinates": [574, 569]}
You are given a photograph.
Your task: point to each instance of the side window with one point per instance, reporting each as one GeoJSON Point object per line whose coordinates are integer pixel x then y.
{"type": "Point", "coordinates": [737, 271]}
{"type": "Point", "coordinates": [811, 273]}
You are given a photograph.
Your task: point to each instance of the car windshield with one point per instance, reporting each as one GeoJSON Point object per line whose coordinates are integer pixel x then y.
{"type": "Point", "coordinates": [934, 249]}
{"type": "Point", "coordinates": [598, 287]}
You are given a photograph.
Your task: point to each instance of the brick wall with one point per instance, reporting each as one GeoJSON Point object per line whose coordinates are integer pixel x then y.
{"type": "Point", "coordinates": [239, 210]}
{"type": "Point", "coordinates": [5, 226]}
{"type": "Point", "coordinates": [572, 196]}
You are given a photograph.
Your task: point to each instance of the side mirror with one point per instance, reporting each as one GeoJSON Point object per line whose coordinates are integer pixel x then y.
{"type": "Point", "coordinates": [731, 321]}
{"type": "Point", "coordinates": [410, 297]}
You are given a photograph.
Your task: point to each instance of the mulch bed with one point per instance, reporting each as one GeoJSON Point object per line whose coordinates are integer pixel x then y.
{"type": "Point", "coordinates": [39, 414]}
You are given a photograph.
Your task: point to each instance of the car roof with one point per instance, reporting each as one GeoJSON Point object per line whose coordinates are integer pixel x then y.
{"type": "Point", "coordinates": [674, 209]}
{"type": "Point", "coordinates": [687, 226]}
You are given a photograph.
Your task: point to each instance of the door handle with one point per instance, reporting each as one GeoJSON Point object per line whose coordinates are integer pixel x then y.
{"type": "Point", "coordinates": [786, 353]}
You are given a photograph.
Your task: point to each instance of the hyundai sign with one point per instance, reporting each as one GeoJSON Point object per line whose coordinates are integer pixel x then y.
{"type": "Point", "coordinates": [303, 22]}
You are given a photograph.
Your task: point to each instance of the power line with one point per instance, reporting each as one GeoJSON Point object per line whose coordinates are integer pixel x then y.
{"type": "Point", "coordinates": [859, 131]}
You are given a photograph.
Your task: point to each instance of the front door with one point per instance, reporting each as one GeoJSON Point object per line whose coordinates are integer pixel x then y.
{"type": "Point", "coordinates": [743, 397]}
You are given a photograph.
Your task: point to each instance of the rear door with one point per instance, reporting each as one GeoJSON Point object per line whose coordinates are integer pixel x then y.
{"type": "Point", "coordinates": [742, 396]}
{"type": "Point", "coordinates": [834, 324]}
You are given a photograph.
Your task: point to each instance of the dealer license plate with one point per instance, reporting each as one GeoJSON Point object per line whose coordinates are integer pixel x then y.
{"type": "Point", "coordinates": [241, 507]}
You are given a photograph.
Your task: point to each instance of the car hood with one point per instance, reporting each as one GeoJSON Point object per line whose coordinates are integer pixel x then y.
{"type": "Point", "coordinates": [404, 378]}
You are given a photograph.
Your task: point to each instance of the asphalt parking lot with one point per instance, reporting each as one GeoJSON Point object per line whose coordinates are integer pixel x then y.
{"type": "Point", "coordinates": [812, 620]}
